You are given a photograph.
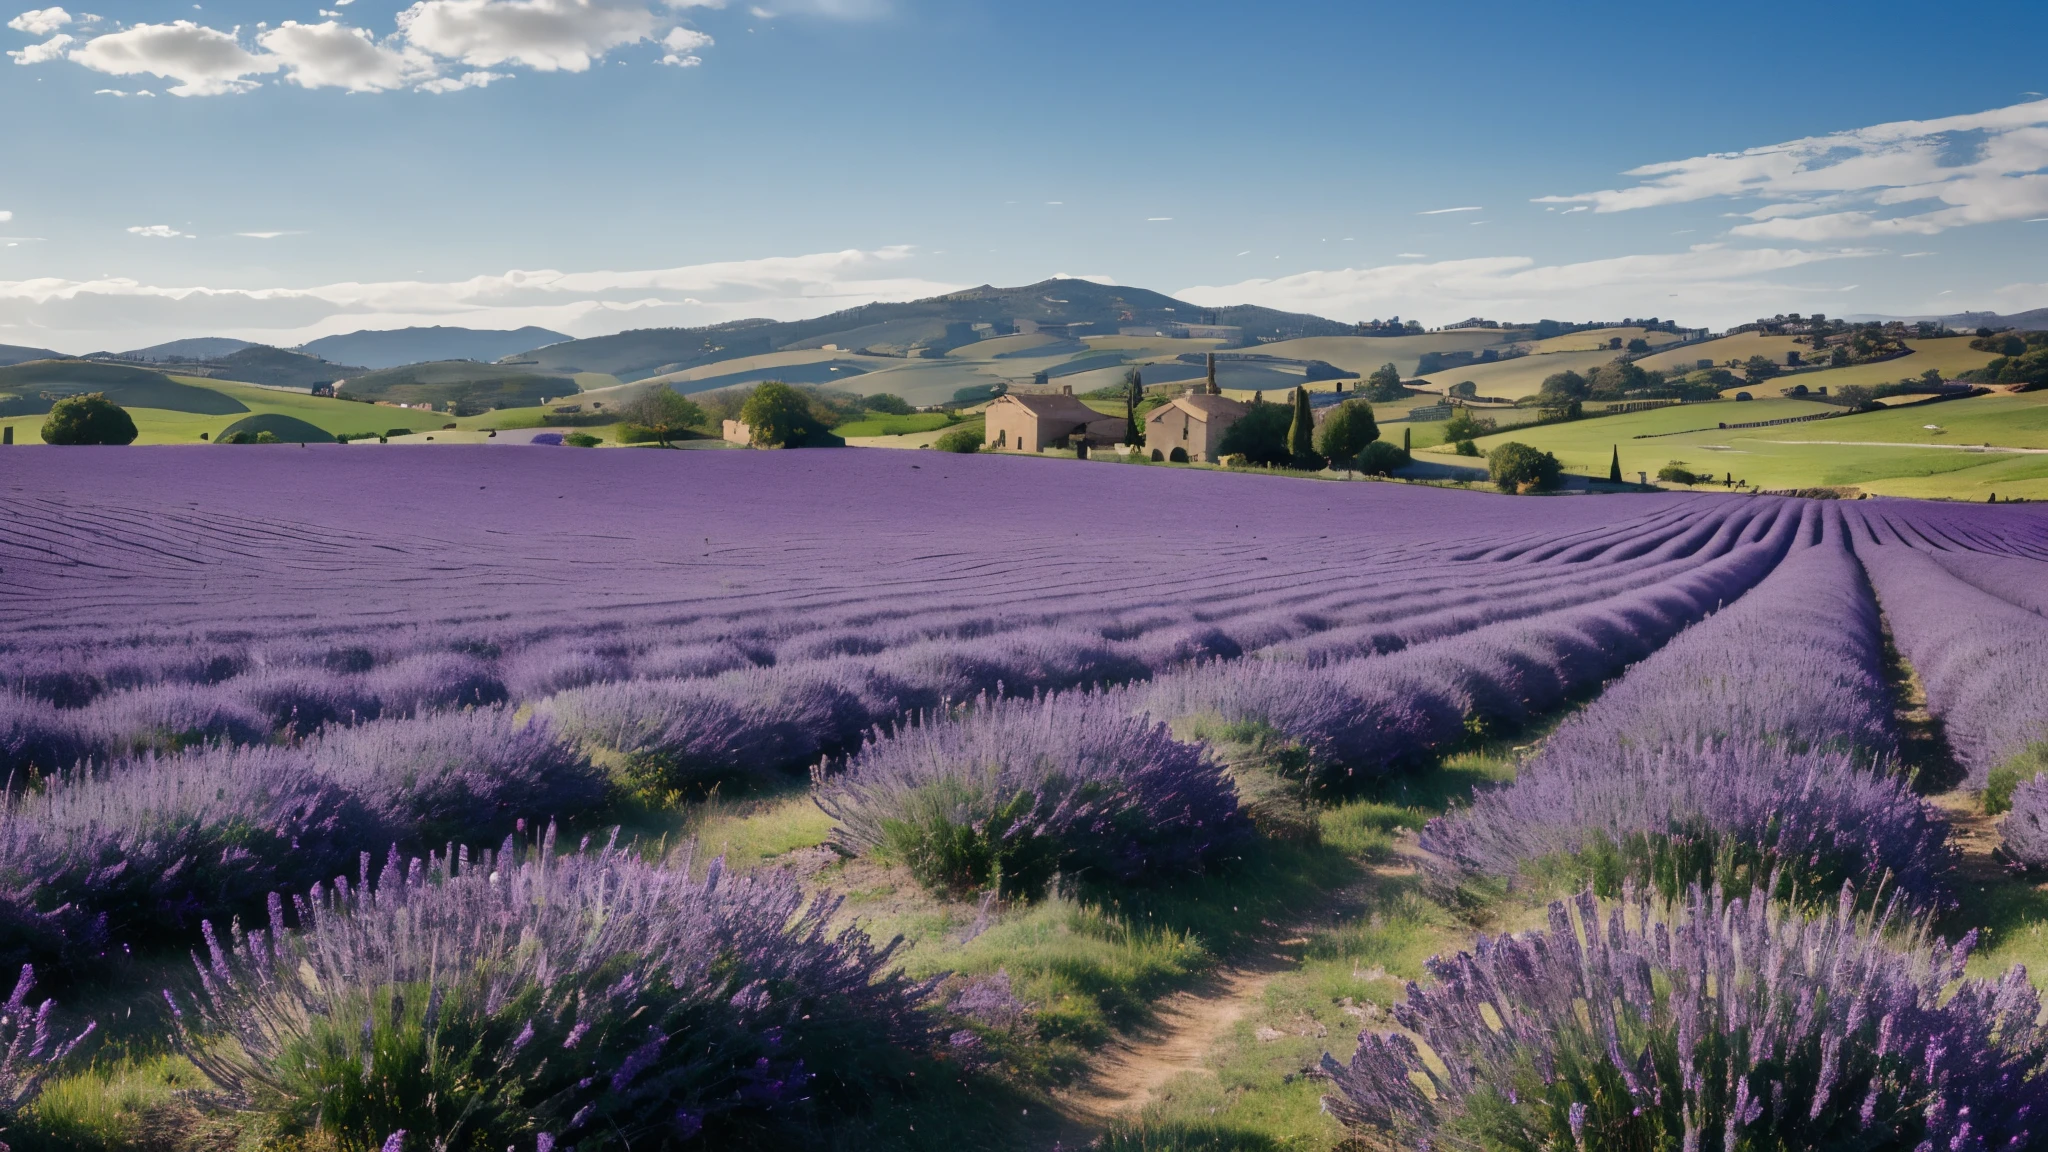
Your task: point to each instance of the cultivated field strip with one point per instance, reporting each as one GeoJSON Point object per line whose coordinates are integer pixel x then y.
{"type": "Point", "coordinates": [1762, 737]}
{"type": "Point", "coordinates": [1980, 658]}
{"type": "Point", "coordinates": [2017, 580]}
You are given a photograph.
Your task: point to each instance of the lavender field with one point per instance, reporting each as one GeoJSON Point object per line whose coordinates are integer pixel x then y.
{"type": "Point", "coordinates": [536, 798]}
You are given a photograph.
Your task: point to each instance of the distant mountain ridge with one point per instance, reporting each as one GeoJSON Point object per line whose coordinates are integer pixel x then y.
{"type": "Point", "coordinates": [16, 354]}
{"type": "Point", "coordinates": [2034, 319]}
{"type": "Point", "coordinates": [398, 347]}
{"type": "Point", "coordinates": [936, 324]}
{"type": "Point", "coordinates": [186, 351]}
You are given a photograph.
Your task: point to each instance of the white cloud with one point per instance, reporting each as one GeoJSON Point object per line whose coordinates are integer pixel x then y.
{"type": "Point", "coordinates": [204, 61]}
{"type": "Point", "coordinates": [1714, 285]}
{"type": "Point", "coordinates": [1912, 177]}
{"type": "Point", "coordinates": [102, 313]}
{"type": "Point", "coordinates": [446, 84]}
{"type": "Point", "coordinates": [1448, 211]}
{"type": "Point", "coordinates": [836, 9]}
{"type": "Point", "coordinates": [5, 217]}
{"type": "Point", "coordinates": [157, 231]}
{"type": "Point", "coordinates": [334, 55]}
{"type": "Point", "coordinates": [267, 235]}
{"type": "Point", "coordinates": [545, 35]}
{"type": "Point", "coordinates": [48, 50]}
{"type": "Point", "coordinates": [40, 21]}
{"type": "Point", "coordinates": [682, 45]}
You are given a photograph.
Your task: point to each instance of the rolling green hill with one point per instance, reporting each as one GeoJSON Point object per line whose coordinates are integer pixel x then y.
{"type": "Point", "coordinates": [287, 429]}
{"type": "Point", "coordinates": [15, 354]}
{"type": "Point", "coordinates": [30, 389]}
{"type": "Point", "coordinates": [933, 326]}
{"type": "Point", "coordinates": [469, 386]}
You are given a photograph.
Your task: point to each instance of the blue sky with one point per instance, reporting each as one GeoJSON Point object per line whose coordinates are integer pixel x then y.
{"type": "Point", "coordinates": [501, 162]}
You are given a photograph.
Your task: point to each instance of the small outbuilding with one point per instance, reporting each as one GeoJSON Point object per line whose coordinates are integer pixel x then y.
{"type": "Point", "coordinates": [1020, 422]}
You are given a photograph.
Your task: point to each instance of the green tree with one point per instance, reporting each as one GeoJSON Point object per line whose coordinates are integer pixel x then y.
{"type": "Point", "coordinates": [962, 440]}
{"type": "Point", "coordinates": [778, 416]}
{"type": "Point", "coordinates": [1384, 385]}
{"type": "Point", "coordinates": [1134, 395]}
{"type": "Point", "coordinates": [1516, 467]}
{"type": "Point", "coordinates": [1856, 397]}
{"type": "Point", "coordinates": [663, 412]}
{"type": "Point", "coordinates": [1301, 434]}
{"type": "Point", "coordinates": [1346, 431]}
{"type": "Point", "coordinates": [1260, 435]}
{"type": "Point", "coordinates": [1639, 345]}
{"type": "Point", "coordinates": [88, 419]}
{"type": "Point", "coordinates": [1380, 458]}
{"type": "Point", "coordinates": [1564, 386]}
{"type": "Point", "coordinates": [1760, 367]}
{"type": "Point", "coordinates": [1407, 442]}
{"type": "Point", "coordinates": [886, 404]}
{"type": "Point", "coordinates": [1212, 388]}
{"type": "Point", "coordinates": [1614, 467]}
{"type": "Point", "coordinates": [1461, 426]}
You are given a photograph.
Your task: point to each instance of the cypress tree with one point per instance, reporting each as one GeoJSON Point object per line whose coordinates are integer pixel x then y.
{"type": "Point", "coordinates": [1614, 468]}
{"type": "Point", "coordinates": [1213, 389]}
{"type": "Point", "coordinates": [1301, 435]}
{"type": "Point", "coordinates": [1406, 435]}
{"type": "Point", "coordinates": [1134, 433]}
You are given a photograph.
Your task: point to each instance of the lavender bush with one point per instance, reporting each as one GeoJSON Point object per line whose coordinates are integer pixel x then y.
{"type": "Point", "coordinates": [687, 734]}
{"type": "Point", "coordinates": [1732, 816]}
{"type": "Point", "coordinates": [1739, 1025]}
{"type": "Point", "coordinates": [588, 999]}
{"type": "Point", "coordinates": [2025, 830]}
{"type": "Point", "coordinates": [139, 854]}
{"type": "Point", "coordinates": [1009, 793]}
{"type": "Point", "coordinates": [459, 777]}
{"type": "Point", "coordinates": [30, 1047]}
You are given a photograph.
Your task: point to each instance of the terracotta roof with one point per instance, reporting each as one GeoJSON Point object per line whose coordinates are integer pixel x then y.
{"type": "Point", "coordinates": [1059, 406]}
{"type": "Point", "coordinates": [1202, 406]}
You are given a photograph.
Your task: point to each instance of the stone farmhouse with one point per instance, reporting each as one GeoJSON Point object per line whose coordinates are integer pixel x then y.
{"type": "Point", "coordinates": [1032, 423]}
{"type": "Point", "coordinates": [1191, 427]}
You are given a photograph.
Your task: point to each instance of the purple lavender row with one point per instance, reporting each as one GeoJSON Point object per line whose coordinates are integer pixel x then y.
{"type": "Point", "coordinates": [135, 854]}
{"type": "Point", "coordinates": [1740, 1025]}
{"type": "Point", "coordinates": [1218, 618]}
{"type": "Point", "coordinates": [562, 998]}
{"type": "Point", "coordinates": [219, 698]}
{"type": "Point", "coordinates": [1979, 658]}
{"type": "Point", "coordinates": [2014, 579]}
{"type": "Point", "coordinates": [324, 540]}
{"type": "Point", "coordinates": [1756, 744]}
{"type": "Point", "coordinates": [2002, 530]}
{"type": "Point", "coordinates": [1359, 720]}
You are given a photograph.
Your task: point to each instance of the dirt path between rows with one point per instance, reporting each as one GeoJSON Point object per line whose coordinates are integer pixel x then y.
{"type": "Point", "coordinates": [1187, 1026]}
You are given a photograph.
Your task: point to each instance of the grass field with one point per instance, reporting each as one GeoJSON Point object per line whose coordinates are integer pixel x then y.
{"type": "Point", "coordinates": [1740, 346]}
{"type": "Point", "coordinates": [897, 425]}
{"type": "Point", "coordinates": [336, 416]}
{"type": "Point", "coordinates": [1596, 339]}
{"type": "Point", "coordinates": [1519, 377]}
{"type": "Point", "coordinates": [1889, 452]}
{"type": "Point", "coordinates": [1362, 354]}
{"type": "Point", "coordinates": [1951, 356]}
